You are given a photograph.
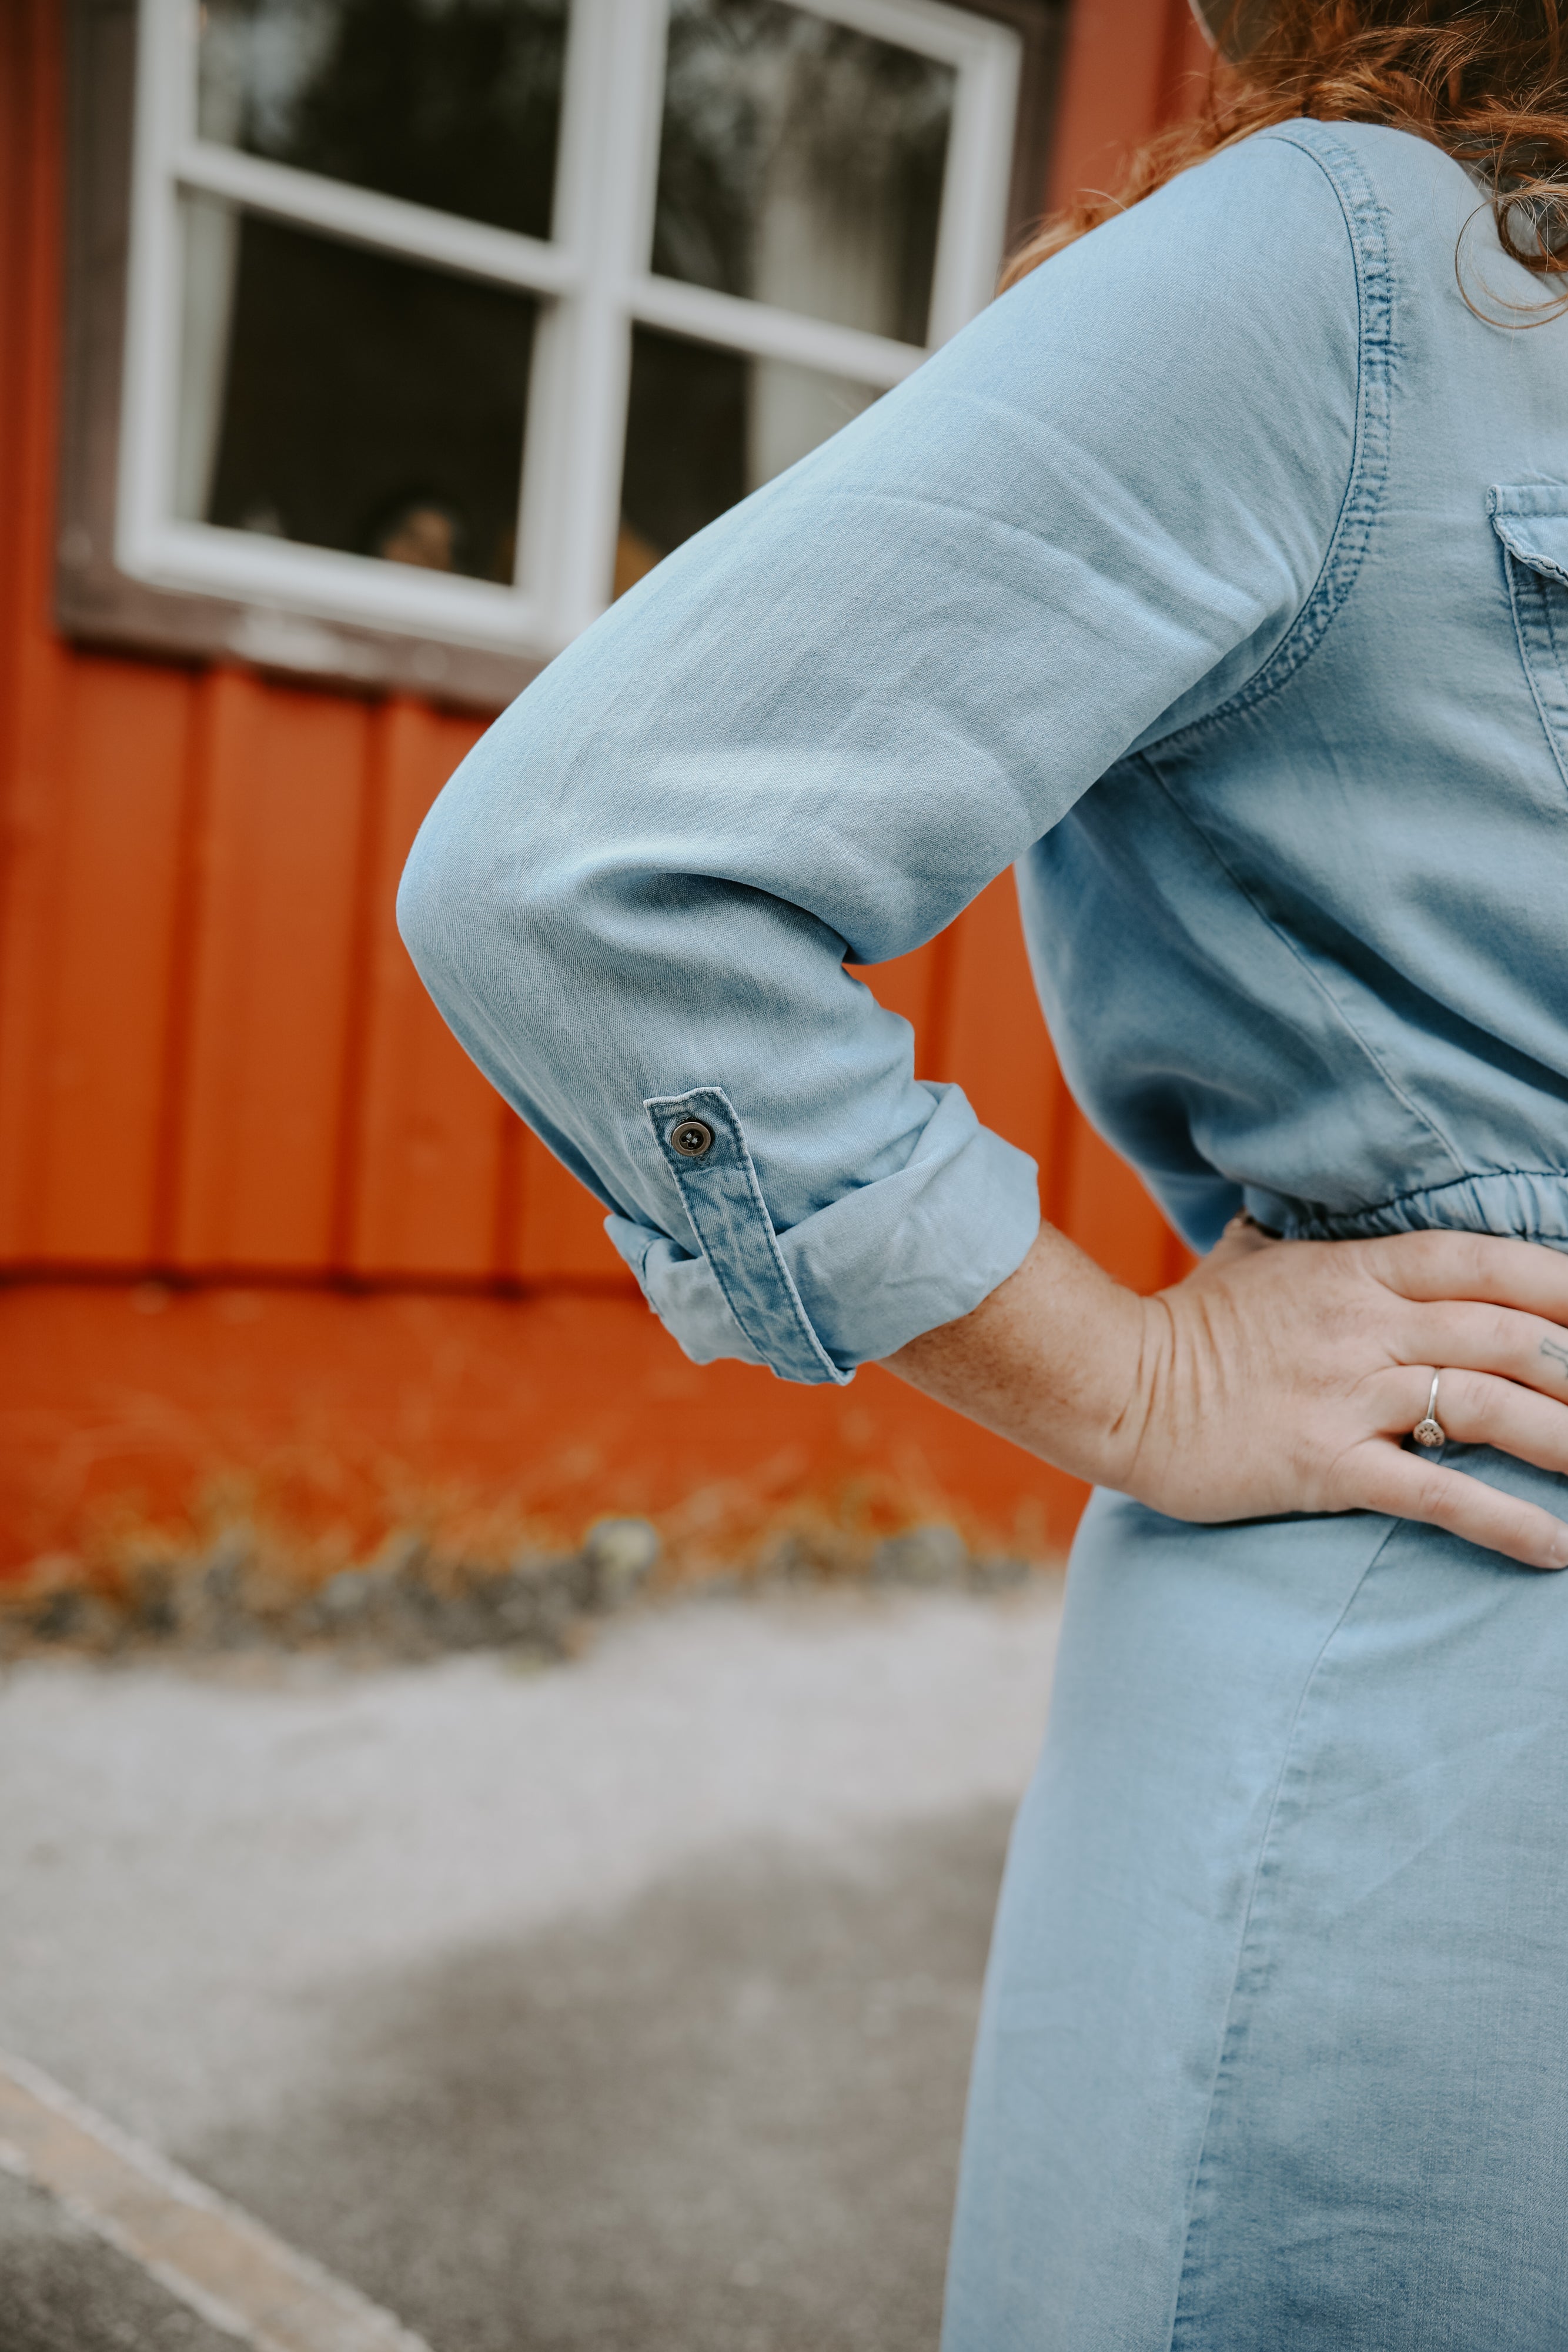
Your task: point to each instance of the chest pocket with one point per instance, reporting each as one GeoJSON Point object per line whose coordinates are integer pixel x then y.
{"type": "Point", "coordinates": [1532, 521]}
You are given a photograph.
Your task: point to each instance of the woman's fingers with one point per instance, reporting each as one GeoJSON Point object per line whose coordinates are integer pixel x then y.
{"type": "Point", "coordinates": [1439, 1266]}
{"type": "Point", "coordinates": [1474, 1408]}
{"type": "Point", "coordinates": [1460, 1334]}
{"type": "Point", "coordinates": [1385, 1478]}
{"type": "Point", "coordinates": [1477, 1409]}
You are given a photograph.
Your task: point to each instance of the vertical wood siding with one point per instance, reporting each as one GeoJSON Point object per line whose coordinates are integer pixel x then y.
{"type": "Point", "coordinates": [426, 1158]}
{"type": "Point", "coordinates": [214, 1058]}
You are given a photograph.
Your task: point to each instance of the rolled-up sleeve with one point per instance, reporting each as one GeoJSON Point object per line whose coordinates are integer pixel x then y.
{"type": "Point", "coordinates": [820, 729]}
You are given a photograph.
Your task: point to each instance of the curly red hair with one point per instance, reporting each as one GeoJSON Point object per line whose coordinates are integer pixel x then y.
{"type": "Point", "coordinates": [1485, 81]}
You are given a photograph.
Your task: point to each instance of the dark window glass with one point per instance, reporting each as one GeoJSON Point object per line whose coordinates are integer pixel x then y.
{"type": "Point", "coordinates": [705, 426]}
{"type": "Point", "coordinates": [450, 103]}
{"type": "Point", "coordinates": [347, 400]}
{"type": "Point", "coordinates": [801, 165]}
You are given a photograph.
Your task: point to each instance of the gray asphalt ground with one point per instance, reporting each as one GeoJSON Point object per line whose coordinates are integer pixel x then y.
{"type": "Point", "coordinates": [620, 2007]}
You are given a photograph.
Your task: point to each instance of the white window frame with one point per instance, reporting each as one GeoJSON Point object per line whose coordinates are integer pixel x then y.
{"type": "Point", "coordinates": [594, 283]}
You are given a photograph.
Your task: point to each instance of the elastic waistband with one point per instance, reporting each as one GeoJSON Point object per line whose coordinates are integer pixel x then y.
{"type": "Point", "coordinates": [1529, 1204]}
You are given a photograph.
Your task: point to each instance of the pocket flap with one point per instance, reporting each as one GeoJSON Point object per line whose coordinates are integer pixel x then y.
{"type": "Point", "coordinates": [1532, 521]}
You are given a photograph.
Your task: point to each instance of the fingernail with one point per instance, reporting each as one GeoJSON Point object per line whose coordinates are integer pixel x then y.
{"type": "Point", "coordinates": [1557, 1551]}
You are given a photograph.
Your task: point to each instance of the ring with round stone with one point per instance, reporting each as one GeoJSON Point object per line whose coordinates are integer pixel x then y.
{"type": "Point", "coordinates": [1430, 1432]}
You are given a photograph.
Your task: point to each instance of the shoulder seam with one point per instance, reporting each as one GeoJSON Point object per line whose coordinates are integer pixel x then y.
{"type": "Point", "coordinates": [1366, 225]}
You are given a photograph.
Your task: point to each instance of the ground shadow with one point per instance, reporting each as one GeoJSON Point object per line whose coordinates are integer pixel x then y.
{"type": "Point", "coordinates": [724, 2120]}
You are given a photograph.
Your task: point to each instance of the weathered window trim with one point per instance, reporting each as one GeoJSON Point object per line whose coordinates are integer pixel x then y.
{"type": "Point", "coordinates": [298, 625]}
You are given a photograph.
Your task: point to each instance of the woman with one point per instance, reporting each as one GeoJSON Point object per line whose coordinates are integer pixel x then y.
{"type": "Point", "coordinates": [1217, 576]}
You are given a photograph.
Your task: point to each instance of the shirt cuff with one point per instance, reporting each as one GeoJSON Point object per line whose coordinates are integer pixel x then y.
{"type": "Point", "coordinates": [848, 1284]}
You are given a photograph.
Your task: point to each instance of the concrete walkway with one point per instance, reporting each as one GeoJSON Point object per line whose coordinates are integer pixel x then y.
{"type": "Point", "coordinates": [624, 2007]}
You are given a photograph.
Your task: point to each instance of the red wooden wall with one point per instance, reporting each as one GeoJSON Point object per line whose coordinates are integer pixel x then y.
{"type": "Point", "coordinates": [260, 1219]}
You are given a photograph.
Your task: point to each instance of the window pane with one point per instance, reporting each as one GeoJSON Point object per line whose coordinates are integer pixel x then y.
{"type": "Point", "coordinates": [451, 103]}
{"type": "Point", "coordinates": [349, 401]}
{"type": "Point", "coordinates": [704, 427]}
{"type": "Point", "coordinates": [801, 165]}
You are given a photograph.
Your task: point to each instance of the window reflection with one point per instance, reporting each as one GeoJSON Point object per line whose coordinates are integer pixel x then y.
{"type": "Point", "coordinates": [801, 165]}
{"type": "Point", "coordinates": [704, 427]}
{"type": "Point", "coordinates": [450, 103]}
{"type": "Point", "coordinates": [349, 399]}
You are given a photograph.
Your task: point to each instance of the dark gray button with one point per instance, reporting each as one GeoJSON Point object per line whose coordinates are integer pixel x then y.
{"type": "Point", "coordinates": [691, 1137]}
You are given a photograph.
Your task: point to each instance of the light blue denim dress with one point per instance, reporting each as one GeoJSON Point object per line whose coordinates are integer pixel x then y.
{"type": "Point", "coordinates": [1217, 577]}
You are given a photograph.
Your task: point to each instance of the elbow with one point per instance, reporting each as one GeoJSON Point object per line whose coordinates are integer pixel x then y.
{"type": "Point", "coordinates": [484, 914]}
{"type": "Point", "coordinates": [438, 902]}
{"type": "Point", "coordinates": [465, 911]}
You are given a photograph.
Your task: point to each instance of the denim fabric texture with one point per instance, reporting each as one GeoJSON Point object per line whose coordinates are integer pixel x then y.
{"type": "Point", "coordinates": [1274, 2050]}
{"type": "Point", "coordinates": [1217, 580]}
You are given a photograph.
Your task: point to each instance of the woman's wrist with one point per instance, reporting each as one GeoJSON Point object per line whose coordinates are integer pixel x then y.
{"type": "Point", "coordinates": [1058, 1358]}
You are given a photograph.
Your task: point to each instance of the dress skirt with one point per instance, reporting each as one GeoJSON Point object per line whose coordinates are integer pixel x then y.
{"type": "Point", "coordinates": [1274, 2048]}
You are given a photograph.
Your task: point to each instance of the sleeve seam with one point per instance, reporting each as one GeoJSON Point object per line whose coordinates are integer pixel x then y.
{"type": "Point", "coordinates": [1367, 230]}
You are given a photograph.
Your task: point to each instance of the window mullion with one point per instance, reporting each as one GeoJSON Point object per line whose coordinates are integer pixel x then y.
{"type": "Point", "coordinates": [975, 188]}
{"type": "Point", "coordinates": [164, 117]}
{"type": "Point", "coordinates": [736, 323]}
{"type": "Point", "coordinates": [363, 216]}
{"type": "Point", "coordinates": [609, 129]}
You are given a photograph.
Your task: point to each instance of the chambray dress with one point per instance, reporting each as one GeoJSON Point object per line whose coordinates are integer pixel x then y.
{"type": "Point", "coordinates": [1217, 577]}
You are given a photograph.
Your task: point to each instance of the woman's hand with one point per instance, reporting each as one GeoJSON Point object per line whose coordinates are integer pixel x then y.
{"type": "Point", "coordinates": [1281, 1375]}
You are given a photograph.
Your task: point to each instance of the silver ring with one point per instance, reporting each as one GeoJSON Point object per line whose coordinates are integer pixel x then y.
{"type": "Point", "coordinates": [1431, 1432]}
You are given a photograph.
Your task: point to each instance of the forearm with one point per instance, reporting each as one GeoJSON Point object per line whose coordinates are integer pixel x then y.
{"type": "Point", "coordinates": [1054, 1359]}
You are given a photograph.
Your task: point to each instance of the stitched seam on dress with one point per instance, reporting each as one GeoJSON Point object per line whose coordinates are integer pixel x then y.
{"type": "Point", "coordinates": [805, 1327]}
{"type": "Point", "coordinates": [659, 1106]}
{"type": "Point", "coordinates": [797, 1314]}
{"type": "Point", "coordinates": [1196, 2183]}
{"type": "Point", "coordinates": [1548, 607]}
{"type": "Point", "coordinates": [1531, 621]}
{"type": "Point", "coordinates": [1424, 1192]}
{"type": "Point", "coordinates": [1293, 949]}
{"type": "Point", "coordinates": [1352, 533]}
